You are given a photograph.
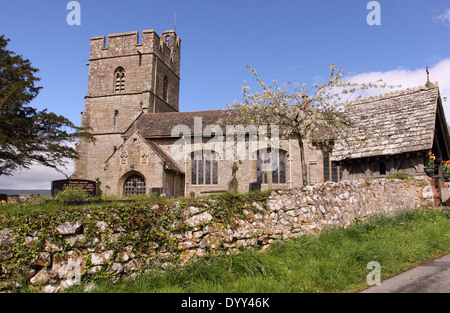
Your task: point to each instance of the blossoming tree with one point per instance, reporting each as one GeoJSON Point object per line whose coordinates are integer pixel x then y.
{"type": "Point", "coordinates": [314, 115]}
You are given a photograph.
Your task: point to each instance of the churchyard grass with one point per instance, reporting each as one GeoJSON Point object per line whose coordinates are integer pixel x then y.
{"type": "Point", "coordinates": [334, 261]}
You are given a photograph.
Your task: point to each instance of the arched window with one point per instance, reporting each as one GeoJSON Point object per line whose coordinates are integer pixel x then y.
{"type": "Point", "coordinates": [134, 185]}
{"type": "Point", "coordinates": [165, 88]}
{"type": "Point", "coordinates": [271, 162]}
{"type": "Point", "coordinates": [331, 171]}
{"type": "Point", "coordinates": [204, 168]}
{"type": "Point", "coordinates": [119, 79]}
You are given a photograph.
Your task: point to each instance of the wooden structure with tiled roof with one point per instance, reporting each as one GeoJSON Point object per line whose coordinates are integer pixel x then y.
{"type": "Point", "coordinates": [394, 133]}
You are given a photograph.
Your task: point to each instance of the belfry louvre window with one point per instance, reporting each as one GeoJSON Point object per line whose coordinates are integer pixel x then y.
{"type": "Point", "coordinates": [204, 168]}
{"type": "Point", "coordinates": [273, 163]}
{"type": "Point", "coordinates": [119, 79]}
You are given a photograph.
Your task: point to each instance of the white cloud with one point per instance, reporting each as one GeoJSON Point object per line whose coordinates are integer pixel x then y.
{"type": "Point", "coordinates": [410, 78]}
{"type": "Point", "coordinates": [445, 17]}
{"type": "Point", "coordinates": [37, 177]}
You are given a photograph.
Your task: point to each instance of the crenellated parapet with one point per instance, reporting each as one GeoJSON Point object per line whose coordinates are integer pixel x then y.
{"type": "Point", "coordinates": [165, 46]}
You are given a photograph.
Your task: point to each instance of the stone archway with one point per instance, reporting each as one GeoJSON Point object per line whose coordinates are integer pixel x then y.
{"type": "Point", "coordinates": [133, 183]}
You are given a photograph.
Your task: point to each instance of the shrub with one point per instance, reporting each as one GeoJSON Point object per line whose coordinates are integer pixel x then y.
{"type": "Point", "coordinates": [73, 194]}
{"type": "Point", "coordinates": [398, 176]}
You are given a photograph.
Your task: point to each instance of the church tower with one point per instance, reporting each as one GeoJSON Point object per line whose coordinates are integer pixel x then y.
{"type": "Point", "coordinates": [127, 77]}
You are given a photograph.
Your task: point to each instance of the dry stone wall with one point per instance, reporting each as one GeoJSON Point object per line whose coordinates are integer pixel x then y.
{"type": "Point", "coordinates": [52, 251]}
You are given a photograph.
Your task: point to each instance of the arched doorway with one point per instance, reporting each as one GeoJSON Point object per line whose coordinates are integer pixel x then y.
{"type": "Point", "coordinates": [134, 185]}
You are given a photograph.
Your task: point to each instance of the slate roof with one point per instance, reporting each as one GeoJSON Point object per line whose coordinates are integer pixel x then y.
{"type": "Point", "coordinates": [171, 164]}
{"type": "Point", "coordinates": [394, 123]}
{"type": "Point", "coordinates": [160, 125]}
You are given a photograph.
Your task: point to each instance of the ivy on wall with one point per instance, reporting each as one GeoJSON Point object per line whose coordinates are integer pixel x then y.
{"type": "Point", "coordinates": [32, 237]}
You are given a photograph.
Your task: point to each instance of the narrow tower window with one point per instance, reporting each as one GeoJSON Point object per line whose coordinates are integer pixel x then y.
{"type": "Point", "coordinates": [116, 117]}
{"type": "Point", "coordinates": [119, 79]}
{"type": "Point", "coordinates": [165, 88]}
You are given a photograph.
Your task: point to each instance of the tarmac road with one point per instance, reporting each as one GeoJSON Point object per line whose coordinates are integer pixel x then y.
{"type": "Point", "coordinates": [429, 277]}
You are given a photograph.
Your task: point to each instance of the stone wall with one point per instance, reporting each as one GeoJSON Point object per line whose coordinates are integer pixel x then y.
{"type": "Point", "coordinates": [55, 250]}
{"type": "Point", "coordinates": [20, 198]}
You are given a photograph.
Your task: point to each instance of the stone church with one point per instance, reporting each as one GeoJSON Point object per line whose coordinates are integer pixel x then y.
{"type": "Point", "coordinates": [132, 107]}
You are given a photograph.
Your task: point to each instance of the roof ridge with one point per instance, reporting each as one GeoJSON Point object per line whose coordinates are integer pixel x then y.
{"type": "Point", "coordinates": [397, 93]}
{"type": "Point", "coordinates": [181, 112]}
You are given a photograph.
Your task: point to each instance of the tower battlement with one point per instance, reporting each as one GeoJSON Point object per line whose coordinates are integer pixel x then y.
{"type": "Point", "coordinates": [166, 46]}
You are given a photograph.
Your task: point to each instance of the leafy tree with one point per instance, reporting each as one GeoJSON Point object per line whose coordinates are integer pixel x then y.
{"type": "Point", "coordinates": [29, 136]}
{"type": "Point", "coordinates": [314, 115]}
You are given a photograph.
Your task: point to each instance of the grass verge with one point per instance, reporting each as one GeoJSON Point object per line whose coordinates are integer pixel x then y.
{"type": "Point", "coordinates": [335, 261]}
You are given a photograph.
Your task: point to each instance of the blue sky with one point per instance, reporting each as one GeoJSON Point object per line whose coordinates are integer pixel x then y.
{"type": "Point", "coordinates": [285, 40]}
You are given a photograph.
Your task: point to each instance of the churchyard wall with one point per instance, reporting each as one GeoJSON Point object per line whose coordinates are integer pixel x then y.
{"type": "Point", "coordinates": [53, 250]}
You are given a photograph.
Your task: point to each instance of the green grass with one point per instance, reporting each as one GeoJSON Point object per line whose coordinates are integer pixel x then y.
{"type": "Point", "coordinates": [335, 261]}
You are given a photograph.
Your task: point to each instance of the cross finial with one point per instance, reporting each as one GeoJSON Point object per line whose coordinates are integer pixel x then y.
{"type": "Point", "coordinates": [428, 83]}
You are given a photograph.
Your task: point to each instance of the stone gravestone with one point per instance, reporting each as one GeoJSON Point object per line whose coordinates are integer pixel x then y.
{"type": "Point", "coordinates": [233, 185]}
{"type": "Point", "coordinates": [60, 185]}
{"type": "Point", "coordinates": [254, 186]}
